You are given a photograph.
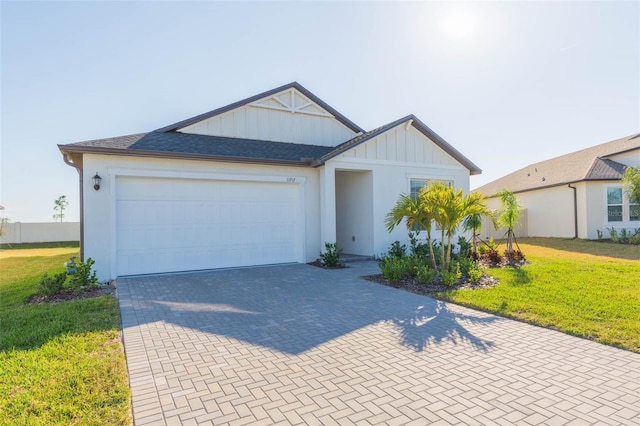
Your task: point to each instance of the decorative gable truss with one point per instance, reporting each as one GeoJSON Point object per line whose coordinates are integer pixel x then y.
{"type": "Point", "coordinates": [287, 115]}
{"type": "Point", "coordinates": [291, 101]}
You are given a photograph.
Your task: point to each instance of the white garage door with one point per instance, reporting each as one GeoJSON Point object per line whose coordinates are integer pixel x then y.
{"type": "Point", "coordinates": [168, 225]}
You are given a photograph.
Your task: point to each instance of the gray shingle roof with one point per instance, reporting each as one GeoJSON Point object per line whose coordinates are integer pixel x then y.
{"type": "Point", "coordinates": [587, 164]}
{"type": "Point", "coordinates": [605, 170]}
{"type": "Point", "coordinates": [205, 146]}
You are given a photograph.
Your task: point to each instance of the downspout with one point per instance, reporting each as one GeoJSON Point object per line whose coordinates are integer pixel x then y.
{"type": "Point", "coordinates": [65, 156]}
{"type": "Point", "coordinates": [575, 210]}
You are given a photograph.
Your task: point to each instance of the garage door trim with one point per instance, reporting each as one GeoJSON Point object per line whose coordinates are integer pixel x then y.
{"type": "Point", "coordinates": [285, 180]}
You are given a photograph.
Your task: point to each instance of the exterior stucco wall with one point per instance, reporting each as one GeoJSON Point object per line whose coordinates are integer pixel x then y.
{"type": "Point", "coordinates": [99, 206]}
{"type": "Point", "coordinates": [354, 212]}
{"type": "Point", "coordinates": [389, 181]}
{"type": "Point", "coordinates": [549, 212]}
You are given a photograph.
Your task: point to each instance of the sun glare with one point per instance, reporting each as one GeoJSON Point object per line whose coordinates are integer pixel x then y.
{"type": "Point", "coordinates": [458, 24]}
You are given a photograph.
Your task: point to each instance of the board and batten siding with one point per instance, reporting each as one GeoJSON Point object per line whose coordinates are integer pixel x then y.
{"type": "Point", "coordinates": [402, 145]}
{"type": "Point", "coordinates": [251, 122]}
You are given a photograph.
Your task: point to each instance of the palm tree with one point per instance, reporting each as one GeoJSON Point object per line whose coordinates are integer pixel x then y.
{"type": "Point", "coordinates": [473, 223]}
{"type": "Point", "coordinates": [415, 213]}
{"type": "Point", "coordinates": [509, 216]}
{"type": "Point", "coordinates": [450, 208]}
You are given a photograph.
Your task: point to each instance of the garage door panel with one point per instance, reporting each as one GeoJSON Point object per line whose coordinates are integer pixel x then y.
{"type": "Point", "coordinates": [165, 225]}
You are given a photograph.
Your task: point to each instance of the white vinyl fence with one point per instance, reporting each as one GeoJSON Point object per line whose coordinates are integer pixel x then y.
{"type": "Point", "coordinates": [16, 233]}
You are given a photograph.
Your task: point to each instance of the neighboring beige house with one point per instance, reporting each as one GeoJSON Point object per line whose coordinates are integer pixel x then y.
{"type": "Point", "coordinates": [577, 194]}
{"type": "Point", "coordinates": [264, 180]}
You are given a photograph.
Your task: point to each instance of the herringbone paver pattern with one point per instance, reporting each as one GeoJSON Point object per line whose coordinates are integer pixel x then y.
{"type": "Point", "coordinates": [300, 345]}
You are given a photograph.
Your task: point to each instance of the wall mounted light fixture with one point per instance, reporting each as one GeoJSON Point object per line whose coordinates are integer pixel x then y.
{"type": "Point", "coordinates": [96, 181]}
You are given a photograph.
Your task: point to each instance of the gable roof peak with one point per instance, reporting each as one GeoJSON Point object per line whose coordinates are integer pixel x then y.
{"type": "Point", "coordinates": [419, 126]}
{"type": "Point", "coordinates": [293, 85]}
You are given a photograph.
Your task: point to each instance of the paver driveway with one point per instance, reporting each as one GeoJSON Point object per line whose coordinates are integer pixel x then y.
{"type": "Point", "coordinates": [297, 344]}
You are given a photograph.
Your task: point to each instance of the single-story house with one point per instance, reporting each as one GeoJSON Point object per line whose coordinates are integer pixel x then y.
{"type": "Point", "coordinates": [577, 194]}
{"type": "Point", "coordinates": [265, 180]}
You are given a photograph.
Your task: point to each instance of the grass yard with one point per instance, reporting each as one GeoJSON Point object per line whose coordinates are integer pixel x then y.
{"type": "Point", "coordinates": [60, 364]}
{"type": "Point", "coordinates": [585, 288]}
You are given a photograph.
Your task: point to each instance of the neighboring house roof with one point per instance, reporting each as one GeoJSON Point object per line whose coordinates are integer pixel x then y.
{"type": "Point", "coordinates": [295, 85]}
{"type": "Point", "coordinates": [587, 164]}
{"type": "Point", "coordinates": [169, 143]}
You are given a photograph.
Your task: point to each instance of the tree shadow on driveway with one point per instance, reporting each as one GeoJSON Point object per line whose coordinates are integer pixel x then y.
{"type": "Point", "coordinates": [291, 308]}
{"type": "Point", "coordinates": [434, 323]}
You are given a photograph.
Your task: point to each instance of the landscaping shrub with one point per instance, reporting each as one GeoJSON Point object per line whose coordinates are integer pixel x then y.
{"type": "Point", "coordinates": [486, 246]}
{"type": "Point", "coordinates": [393, 268]}
{"type": "Point", "coordinates": [451, 277]}
{"type": "Point", "coordinates": [50, 285]}
{"type": "Point", "coordinates": [464, 248]}
{"type": "Point", "coordinates": [514, 257]}
{"type": "Point", "coordinates": [424, 274]}
{"type": "Point", "coordinates": [471, 269]}
{"type": "Point", "coordinates": [417, 248]}
{"type": "Point", "coordinates": [624, 237]}
{"type": "Point", "coordinates": [414, 263]}
{"type": "Point", "coordinates": [492, 257]}
{"type": "Point", "coordinates": [84, 277]}
{"type": "Point", "coordinates": [397, 250]}
{"type": "Point", "coordinates": [331, 255]}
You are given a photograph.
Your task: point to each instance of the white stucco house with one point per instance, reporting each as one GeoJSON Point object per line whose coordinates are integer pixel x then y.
{"type": "Point", "coordinates": [577, 194]}
{"type": "Point", "coordinates": [265, 180]}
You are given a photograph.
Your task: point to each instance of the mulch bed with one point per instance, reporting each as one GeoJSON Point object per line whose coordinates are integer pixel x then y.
{"type": "Point", "coordinates": [411, 284]}
{"type": "Point", "coordinates": [319, 264]}
{"type": "Point", "coordinates": [69, 294]}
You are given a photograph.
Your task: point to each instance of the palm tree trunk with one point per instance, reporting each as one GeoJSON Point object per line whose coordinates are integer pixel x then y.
{"type": "Point", "coordinates": [443, 263]}
{"type": "Point", "coordinates": [432, 255]}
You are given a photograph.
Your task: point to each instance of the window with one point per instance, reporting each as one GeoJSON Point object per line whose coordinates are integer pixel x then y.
{"type": "Point", "coordinates": [415, 185]}
{"type": "Point", "coordinates": [619, 208]}
{"type": "Point", "coordinates": [614, 204]}
{"type": "Point", "coordinates": [634, 212]}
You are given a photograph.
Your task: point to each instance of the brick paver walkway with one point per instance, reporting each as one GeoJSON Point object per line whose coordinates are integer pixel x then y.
{"type": "Point", "coordinates": [300, 345]}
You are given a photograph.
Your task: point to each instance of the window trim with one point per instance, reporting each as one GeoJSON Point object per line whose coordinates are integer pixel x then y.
{"type": "Point", "coordinates": [626, 208]}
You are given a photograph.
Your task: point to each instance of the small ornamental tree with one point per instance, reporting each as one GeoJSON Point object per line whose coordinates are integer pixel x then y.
{"type": "Point", "coordinates": [509, 217]}
{"type": "Point", "coordinates": [60, 204]}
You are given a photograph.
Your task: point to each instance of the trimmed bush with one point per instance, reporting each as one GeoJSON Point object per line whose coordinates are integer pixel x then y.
{"type": "Point", "coordinates": [331, 256]}
{"type": "Point", "coordinates": [425, 275]}
{"type": "Point", "coordinates": [393, 268]}
{"type": "Point", "coordinates": [451, 277]}
{"type": "Point", "coordinates": [50, 285]}
{"type": "Point", "coordinates": [84, 277]}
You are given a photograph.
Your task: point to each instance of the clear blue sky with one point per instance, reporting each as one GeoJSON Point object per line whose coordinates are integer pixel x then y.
{"type": "Point", "coordinates": [506, 83]}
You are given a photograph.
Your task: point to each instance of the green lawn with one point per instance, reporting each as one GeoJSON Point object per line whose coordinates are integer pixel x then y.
{"type": "Point", "coordinates": [585, 288]}
{"type": "Point", "coordinates": [59, 364]}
